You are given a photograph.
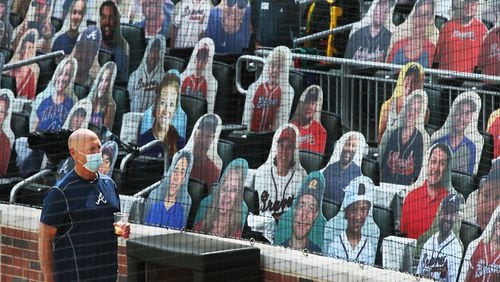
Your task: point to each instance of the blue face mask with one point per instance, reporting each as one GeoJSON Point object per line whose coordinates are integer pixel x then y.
{"type": "Point", "coordinates": [93, 162]}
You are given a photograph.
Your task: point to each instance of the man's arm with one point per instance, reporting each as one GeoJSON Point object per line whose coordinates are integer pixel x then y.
{"type": "Point", "coordinates": [46, 234]}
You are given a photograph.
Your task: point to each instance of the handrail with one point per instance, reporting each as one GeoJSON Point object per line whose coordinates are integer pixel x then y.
{"type": "Point", "coordinates": [143, 149]}
{"type": "Point", "coordinates": [322, 34]}
{"type": "Point", "coordinates": [335, 60]}
{"type": "Point", "coordinates": [239, 62]}
{"type": "Point", "coordinates": [148, 189]}
{"type": "Point", "coordinates": [33, 178]}
{"type": "Point", "coordinates": [30, 61]}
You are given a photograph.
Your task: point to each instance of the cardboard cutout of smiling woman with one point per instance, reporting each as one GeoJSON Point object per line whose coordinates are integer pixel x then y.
{"type": "Point", "coordinates": [278, 180]}
{"type": "Point", "coordinates": [269, 99]}
{"type": "Point", "coordinates": [404, 143]}
{"type": "Point", "coordinates": [74, 23]}
{"type": "Point", "coordinates": [442, 250]}
{"type": "Point", "coordinates": [26, 76]}
{"type": "Point", "coordinates": [203, 144]}
{"type": "Point", "coordinates": [344, 165]}
{"type": "Point", "coordinates": [302, 226]}
{"type": "Point", "coordinates": [169, 124]}
{"type": "Point", "coordinates": [6, 134]}
{"type": "Point", "coordinates": [86, 53]}
{"type": "Point", "coordinates": [352, 234]}
{"type": "Point", "coordinates": [143, 82]}
{"type": "Point", "coordinates": [223, 212]}
{"type": "Point", "coordinates": [411, 78]}
{"type": "Point", "coordinates": [461, 134]}
{"type": "Point", "coordinates": [37, 17]}
{"type": "Point", "coordinates": [307, 118]}
{"type": "Point", "coordinates": [370, 38]}
{"type": "Point", "coordinates": [169, 204]}
{"type": "Point", "coordinates": [6, 35]}
{"type": "Point", "coordinates": [415, 40]}
{"type": "Point", "coordinates": [101, 96]}
{"type": "Point", "coordinates": [483, 254]}
{"type": "Point", "coordinates": [197, 79]}
{"type": "Point", "coordinates": [51, 107]}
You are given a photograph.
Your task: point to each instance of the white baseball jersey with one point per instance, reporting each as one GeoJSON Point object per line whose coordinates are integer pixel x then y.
{"type": "Point", "coordinates": [441, 261]}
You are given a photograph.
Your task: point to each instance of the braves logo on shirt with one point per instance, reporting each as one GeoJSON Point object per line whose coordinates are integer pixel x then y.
{"type": "Point", "coordinates": [277, 207]}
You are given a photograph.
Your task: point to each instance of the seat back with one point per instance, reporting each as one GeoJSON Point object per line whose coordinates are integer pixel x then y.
{"type": "Point", "coordinates": [136, 42]}
{"type": "Point", "coordinates": [194, 107]}
{"type": "Point", "coordinates": [122, 101]}
{"type": "Point", "coordinates": [370, 168]}
{"type": "Point", "coordinates": [9, 82]}
{"type": "Point", "coordinates": [469, 232]}
{"type": "Point", "coordinates": [140, 172]}
{"type": "Point", "coordinates": [56, 23]}
{"type": "Point", "coordinates": [464, 183]}
{"type": "Point", "coordinates": [310, 161]}
{"type": "Point", "coordinates": [330, 208]}
{"type": "Point", "coordinates": [7, 54]}
{"type": "Point", "coordinates": [228, 103]}
{"type": "Point", "coordinates": [15, 20]}
{"type": "Point", "coordinates": [486, 154]}
{"type": "Point", "coordinates": [225, 149]}
{"type": "Point", "coordinates": [19, 124]}
{"type": "Point", "coordinates": [104, 56]}
{"type": "Point", "coordinates": [81, 91]}
{"type": "Point", "coordinates": [47, 68]}
{"type": "Point", "coordinates": [384, 219]}
{"type": "Point", "coordinates": [198, 190]}
{"type": "Point", "coordinates": [333, 126]}
{"type": "Point", "coordinates": [171, 62]}
{"type": "Point", "coordinates": [296, 80]}
{"type": "Point", "coordinates": [251, 198]}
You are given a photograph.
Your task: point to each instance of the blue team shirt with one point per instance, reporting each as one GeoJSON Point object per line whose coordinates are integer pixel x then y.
{"type": "Point", "coordinates": [85, 245]}
{"type": "Point", "coordinates": [337, 179]}
{"type": "Point", "coordinates": [52, 116]}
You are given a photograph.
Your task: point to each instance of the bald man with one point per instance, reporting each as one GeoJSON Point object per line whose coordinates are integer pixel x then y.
{"type": "Point", "coordinates": [76, 239]}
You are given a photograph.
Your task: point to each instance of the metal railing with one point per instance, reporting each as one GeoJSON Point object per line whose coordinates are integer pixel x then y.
{"type": "Point", "coordinates": [33, 60]}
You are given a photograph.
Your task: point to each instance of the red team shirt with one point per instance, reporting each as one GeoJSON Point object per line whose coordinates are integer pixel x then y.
{"type": "Point", "coordinates": [419, 211]}
{"type": "Point", "coordinates": [312, 138]}
{"type": "Point", "coordinates": [489, 59]}
{"type": "Point", "coordinates": [458, 46]}
{"type": "Point", "coordinates": [494, 130]}
{"type": "Point", "coordinates": [266, 103]}
{"type": "Point", "coordinates": [484, 264]}
{"type": "Point", "coordinates": [195, 86]}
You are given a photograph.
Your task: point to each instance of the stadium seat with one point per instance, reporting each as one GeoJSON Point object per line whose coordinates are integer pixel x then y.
{"type": "Point", "coordinates": [370, 168]}
{"type": "Point", "coordinates": [311, 161]}
{"type": "Point", "coordinates": [171, 62]}
{"type": "Point", "coordinates": [198, 190]}
{"type": "Point", "coordinates": [437, 113]}
{"type": "Point", "coordinates": [140, 172]}
{"type": "Point", "coordinates": [251, 198]}
{"type": "Point", "coordinates": [225, 149]}
{"type": "Point", "coordinates": [81, 91]}
{"type": "Point", "coordinates": [19, 124]}
{"type": "Point", "coordinates": [56, 23]}
{"type": "Point", "coordinates": [9, 82]}
{"type": "Point", "coordinates": [137, 44]}
{"type": "Point", "coordinates": [384, 219]}
{"type": "Point", "coordinates": [15, 20]}
{"type": "Point", "coordinates": [184, 53]}
{"type": "Point", "coordinates": [486, 155]}
{"type": "Point", "coordinates": [7, 53]}
{"type": "Point", "coordinates": [104, 56]}
{"type": "Point", "coordinates": [47, 68]}
{"type": "Point", "coordinates": [333, 126]}
{"type": "Point", "coordinates": [194, 107]}
{"type": "Point", "coordinates": [252, 146]}
{"type": "Point", "coordinates": [469, 232]}
{"type": "Point", "coordinates": [122, 101]}
{"type": "Point", "coordinates": [228, 103]}
{"type": "Point", "coordinates": [330, 209]}
{"type": "Point", "coordinates": [296, 80]}
{"type": "Point", "coordinates": [464, 183]}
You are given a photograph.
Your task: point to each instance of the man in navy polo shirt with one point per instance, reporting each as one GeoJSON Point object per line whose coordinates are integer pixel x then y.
{"type": "Point", "coordinates": [76, 237]}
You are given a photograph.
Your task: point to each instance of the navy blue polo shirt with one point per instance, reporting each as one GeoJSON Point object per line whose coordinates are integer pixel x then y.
{"type": "Point", "coordinates": [85, 245]}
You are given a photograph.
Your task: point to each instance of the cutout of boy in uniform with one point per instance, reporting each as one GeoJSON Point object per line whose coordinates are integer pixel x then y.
{"type": "Point", "coordinates": [344, 165]}
{"type": "Point", "coordinates": [203, 144]}
{"type": "Point", "coordinates": [352, 234]}
{"type": "Point", "coordinates": [269, 99]}
{"type": "Point", "coordinates": [86, 54]}
{"type": "Point", "coordinates": [442, 252]}
{"type": "Point", "coordinates": [26, 76]}
{"type": "Point", "coordinates": [369, 39]}
{"type": "Point", "coordinates": [197, 79]}
{"type": "Point", "coordinates": [307, 118]}
{"type": "Point", "coordinates": [302, 226]}
{"type": "Point", "coordinates": [224, 212]}
{"type": "Point", "coordinates": [168, 205]}
{"type": "Point", "coordinates": [461, 134]}
{"type": "Point", "coordinates": [6, 134]}
{"type": "Point", "coordinates": [403, 145]}
{"type": "Point", "coordinates": [52, 106]}
{"type": "Point", "coordinates": [278, 180]}
{"type": "Point", "coordinates": [143, 82]}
